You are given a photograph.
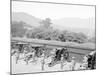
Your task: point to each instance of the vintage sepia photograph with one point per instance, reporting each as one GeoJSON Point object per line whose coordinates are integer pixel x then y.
{"type": "Point", "coordinates": [52, 37]}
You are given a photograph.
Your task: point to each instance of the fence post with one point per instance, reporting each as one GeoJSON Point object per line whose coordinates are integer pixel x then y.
{"type": "Point", "coordinates": [43, 60]}
{"type": "Point", "coordinates": [62, 63]}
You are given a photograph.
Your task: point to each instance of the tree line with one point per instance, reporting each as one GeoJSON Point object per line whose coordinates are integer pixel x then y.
{"type": "Point", "coordinates": [46, 32]}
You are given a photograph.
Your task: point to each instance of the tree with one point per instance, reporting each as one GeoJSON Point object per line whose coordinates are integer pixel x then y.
{"type": "Point", "coordinates": [46, 23]}
{"type": "Point", "coordinates": [92, 39]}
{"type": "Point", "coordinates": [62, 36]}
{"type": "Point", "coordinates": [17, 29]}
{"type": "Point", "coordinates": [76, 37]}
{"type": "Point", "coordinates": [81, 37]}
{"type": "Point", "coordinates": [41, 32]}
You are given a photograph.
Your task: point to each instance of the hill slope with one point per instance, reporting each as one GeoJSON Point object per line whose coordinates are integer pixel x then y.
{"type": "Point", "coordinates": [29, 19]}
{"type": "Point", "coordinates": [86, 26]}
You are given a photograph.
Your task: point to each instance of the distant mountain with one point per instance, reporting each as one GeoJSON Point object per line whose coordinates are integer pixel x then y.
{"type": "Point", "coordinates": [87, 26]}
{"type": "Point", "coordinates": [29, 19]}
{"type": "Point", "coordinates": [88, 23]}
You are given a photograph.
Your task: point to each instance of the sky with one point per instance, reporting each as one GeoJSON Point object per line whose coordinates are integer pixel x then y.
{"type": "Point", "coordinates": [53, 11]}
